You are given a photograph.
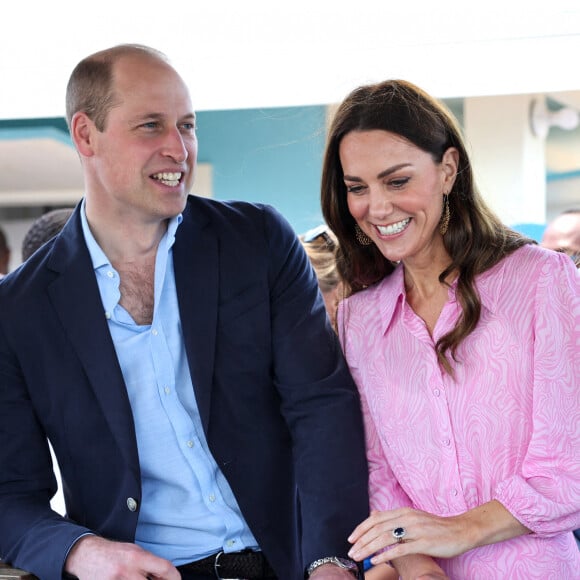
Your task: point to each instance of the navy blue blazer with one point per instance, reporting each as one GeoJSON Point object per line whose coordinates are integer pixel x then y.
{"type": "Point", "coordinates": [278, 406]}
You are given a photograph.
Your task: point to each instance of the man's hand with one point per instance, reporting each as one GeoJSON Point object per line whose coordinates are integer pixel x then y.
{"type": "Point", "coordinates": [94, 558]}
{"type": "Point", "coordinates": [331, 572]}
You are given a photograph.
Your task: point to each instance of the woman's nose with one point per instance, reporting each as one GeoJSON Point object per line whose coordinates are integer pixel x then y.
{"type": "Point", "coordinates": [380, 203]}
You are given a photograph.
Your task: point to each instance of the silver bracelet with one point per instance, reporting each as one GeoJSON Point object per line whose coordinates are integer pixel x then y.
{"type": "Point", "coordinates": [344, 563]}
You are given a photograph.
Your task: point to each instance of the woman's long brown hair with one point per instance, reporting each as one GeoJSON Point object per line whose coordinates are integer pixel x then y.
{"type": "Point", "coordinates": [476, 239]}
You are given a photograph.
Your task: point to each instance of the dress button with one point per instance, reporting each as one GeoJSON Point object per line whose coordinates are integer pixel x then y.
{"type": "Point", "coordinates": [446, 442]}
{"type": "Point", "coordinates": [436, 392]}
{"type": "Point", "coordinates": [453, 491]}
{"type": "Point", "coordinates": [131, 504]}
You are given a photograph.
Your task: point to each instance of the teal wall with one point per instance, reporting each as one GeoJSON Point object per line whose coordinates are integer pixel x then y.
{"type": "Point", "coordinates": [271, 155]}
{"type": "Point", "coordinates": [267, 155]}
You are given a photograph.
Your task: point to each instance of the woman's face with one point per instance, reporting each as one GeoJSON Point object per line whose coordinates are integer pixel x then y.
{"type": "Point", "coordinates": [395, 192]}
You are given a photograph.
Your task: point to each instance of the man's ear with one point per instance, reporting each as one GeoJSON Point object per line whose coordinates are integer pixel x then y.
{"type": "Point", "coordinates": [82, 130]}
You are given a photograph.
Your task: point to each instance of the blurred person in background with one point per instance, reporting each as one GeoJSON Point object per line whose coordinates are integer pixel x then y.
{"type": "Point", "coordinates": [4, 254]}
{"type": "Point", "coordinates": [563, 234]}
{"type": "Point", "coordinates": [321, 246]}
{"type": "Point", "coordinates": [43, 229]}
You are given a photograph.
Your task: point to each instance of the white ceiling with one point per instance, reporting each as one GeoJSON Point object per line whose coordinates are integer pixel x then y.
{"type": "Point", "coordinates": [262, 53]}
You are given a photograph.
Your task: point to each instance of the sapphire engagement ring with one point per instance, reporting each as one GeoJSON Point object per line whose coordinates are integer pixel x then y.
{"type": "Point", "coordinates": [399, 534]}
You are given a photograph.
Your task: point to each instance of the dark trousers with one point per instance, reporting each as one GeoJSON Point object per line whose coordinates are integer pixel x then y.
{"type": "Point", "coordinates": [187, 575]}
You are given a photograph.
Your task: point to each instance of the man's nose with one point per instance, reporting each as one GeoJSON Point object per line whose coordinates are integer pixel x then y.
{"type": "Point", "coordinates": [174, 146]}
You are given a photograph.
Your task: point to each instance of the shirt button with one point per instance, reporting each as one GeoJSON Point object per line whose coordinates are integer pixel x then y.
{"type": "Point", "coordinates": [154, 332]}
{"type": "Point", "coordinates": [230, 543]}
{"type": "Point", "coordinates": [436, 392]}
{"type": "Point", "coordinates": [131, 504]}
{"type": "Point", "coordinates": [211, 497]}
{"type": "Point", "coordinates": [190, 444]}
{"type": "Point", "coordinates": [167, 390]}
{"type": "Point", "coordinates": [110, 274]}
{"type": "Point", "coordinates": [108, 315]}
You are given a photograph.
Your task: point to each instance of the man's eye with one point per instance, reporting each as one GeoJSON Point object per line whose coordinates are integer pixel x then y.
{"type": "Point", "coordinates": [150, 125]}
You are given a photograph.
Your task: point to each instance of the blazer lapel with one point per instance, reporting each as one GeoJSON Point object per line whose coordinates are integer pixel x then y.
{"type": "Point", "coordinates": [77, 302]}
{"type": "Point", "coordinates": [196, 263]}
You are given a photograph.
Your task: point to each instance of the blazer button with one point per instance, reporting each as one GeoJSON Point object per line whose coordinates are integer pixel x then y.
{"type": "Point", "coordinates": [131, 504]}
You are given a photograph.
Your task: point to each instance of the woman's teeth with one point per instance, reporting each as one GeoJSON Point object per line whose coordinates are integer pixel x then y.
{"type": "Point", "coordinates": [393, 228]}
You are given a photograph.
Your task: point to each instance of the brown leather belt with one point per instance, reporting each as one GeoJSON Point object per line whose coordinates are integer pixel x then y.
{"type": "Point", "coordinates": [248, 565]}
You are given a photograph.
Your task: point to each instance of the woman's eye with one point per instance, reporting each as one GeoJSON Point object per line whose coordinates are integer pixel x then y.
{"type": "Point", "coordinates": [354, 189]}
{"type": "Point", "coordinates": [398, 183]}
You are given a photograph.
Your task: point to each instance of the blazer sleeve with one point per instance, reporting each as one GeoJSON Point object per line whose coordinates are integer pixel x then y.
{"type": "Point", "coordinates": [32, 535]}
{"type": "Point", "coordinates": [319, 400]}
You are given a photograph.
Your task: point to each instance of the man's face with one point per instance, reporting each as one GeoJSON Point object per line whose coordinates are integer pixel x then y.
{"type": "Point", "coordinates": [143, 162]}
{"type": "Point", "coordinates": [563, 233]}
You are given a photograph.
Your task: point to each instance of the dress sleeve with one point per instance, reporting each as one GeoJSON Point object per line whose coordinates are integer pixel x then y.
{"type": "Point", "coordinates": [545, 495]}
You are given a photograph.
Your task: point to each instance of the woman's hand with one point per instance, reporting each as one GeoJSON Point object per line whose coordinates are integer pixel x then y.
{"type": "Point", "coordinates": [428, 534]}
{"type": "Point", "coordinates": [424, 534]}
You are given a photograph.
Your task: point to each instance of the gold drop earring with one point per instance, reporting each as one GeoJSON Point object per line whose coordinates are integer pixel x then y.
{"type": "Point", "coordinates": [445, 215]}
{"type": "Point", "coordinates": [361, 237]}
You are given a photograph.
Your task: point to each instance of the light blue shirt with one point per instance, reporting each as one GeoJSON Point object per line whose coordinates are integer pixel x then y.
{"type": "Point", "coordinates": [188, 509]}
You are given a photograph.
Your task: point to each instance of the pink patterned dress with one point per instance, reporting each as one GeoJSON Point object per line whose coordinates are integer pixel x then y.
{"type": "Point", "coordinates": [507, 429]}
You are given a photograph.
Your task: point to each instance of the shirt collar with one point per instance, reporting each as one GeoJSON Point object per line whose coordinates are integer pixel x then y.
{"type": "Point", "coordinates": [99, 258]}
{"type": "Point", "coordinates": [391, 294]}
{"type": "Point", "coordinates": [391, 291]}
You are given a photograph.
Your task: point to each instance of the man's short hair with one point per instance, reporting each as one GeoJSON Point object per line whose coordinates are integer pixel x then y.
{"type": "Point", "coordinates": [90, 85]}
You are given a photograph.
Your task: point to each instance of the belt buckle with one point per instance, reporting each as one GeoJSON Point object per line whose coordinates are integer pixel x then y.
{"type": "Point", "coordinates": [216, 566]}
